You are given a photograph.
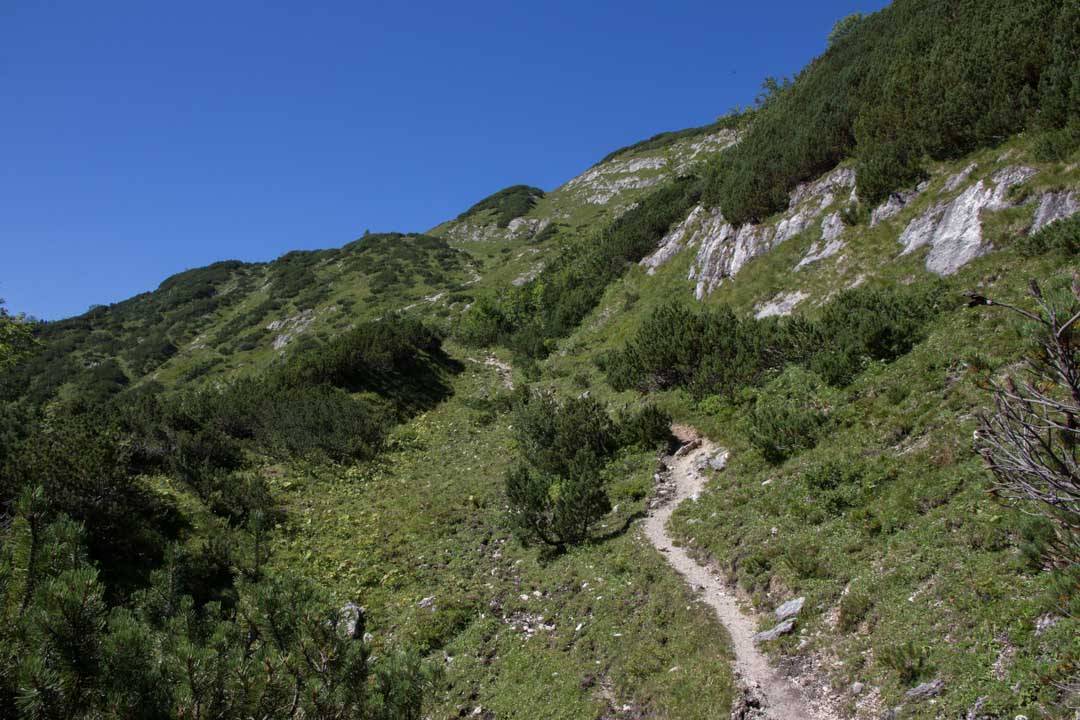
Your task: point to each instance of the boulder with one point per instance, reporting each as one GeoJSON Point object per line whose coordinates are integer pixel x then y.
{"type": "Point", "coordinates": [352, 620]}
{"type": "Point", "coordinates": [926, 690]}
{"type": "Point", "coordinates": [790, 609]}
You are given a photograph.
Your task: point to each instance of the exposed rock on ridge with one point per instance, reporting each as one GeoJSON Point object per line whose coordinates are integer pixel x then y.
{"type": "Point", "coordinates": [1054, 206]}
{"type": "Point", "coordinates": [953, 230]}
{"type": "Point", "coordinates": [725, 249]}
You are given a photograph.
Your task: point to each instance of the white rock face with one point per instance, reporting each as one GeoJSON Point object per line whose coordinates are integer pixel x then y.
{"type": "Point", "coordinates": [832, 227]}
{"type": "Point", "coordinates": [709, 144]}
{"type": "Point", "coordinates": [517, 229]}
{"type": "Point", "coordinates": [1054, 206]}
{"type": "Point", "coordinates": [289, 328]}
{"type": "Point", "coordinates": [602, 183]}
{"type": "Point", "coordinates": [725, 249]}
{"type": "Point", "coordinates": [959, 178]}
{"type": "Point", "coordinates": [782, 304]}
{"type": "Point", "coordinates": [896, 202]}
{"type": "Point", "coordinates": [953, 230]}
{"type": "Point", "coordinates": [675, 240]}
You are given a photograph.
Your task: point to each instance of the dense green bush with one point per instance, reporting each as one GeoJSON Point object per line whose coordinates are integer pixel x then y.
{"type": "Point", "coordinates": [715, 352]}
{"type": "Point", "coordinates": [788, 415]}
{"type": "Point", "coordinates": [104, 617]}
{"type": "Point", "coordinates": [647, 427]}
{"type": "Point", "coordinates": [1062, 237]}
{"type": "Point", "coordinates": [558, 489]}
{"type": "Point", "coordinates": [508, 203]}
{"type": "Point", "coordinates": [920, 78]}
{"type": "Point", "coordinates": [281, 651]}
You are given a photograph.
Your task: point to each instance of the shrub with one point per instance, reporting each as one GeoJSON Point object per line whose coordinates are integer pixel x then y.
{"type": "Point", "coordinates": [558, 510]}
{"type": "Point", "coordinates": [558, 489]}
{"type": "Point", "coordinates": [508, 203]}
{"type": "Point", "coordinates": [788, 415]}
{"type": "Point", "coordinates": [648, 427]}
{"type": "Point", "coordinates": [1061, 237]}
{"type": "Point", "coordinates": [853, 608]}
{"type": "Point", "coordinates": [907, 660]}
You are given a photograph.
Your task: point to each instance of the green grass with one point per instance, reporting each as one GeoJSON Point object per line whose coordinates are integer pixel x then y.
{"type": "Point", "coordinates": [910, 569]}
{"type": "Point", "coordinates": [427, 520]}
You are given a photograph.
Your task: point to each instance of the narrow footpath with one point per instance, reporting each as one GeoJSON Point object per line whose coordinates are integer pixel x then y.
{"type": "Point", "coordinates": [779, 698]}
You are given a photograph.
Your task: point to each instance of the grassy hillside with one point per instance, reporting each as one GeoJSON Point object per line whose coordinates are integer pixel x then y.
{"type": "Point", "coordinates": [880, 516]}
{"type": "Point", "coordinates": [211, 479]}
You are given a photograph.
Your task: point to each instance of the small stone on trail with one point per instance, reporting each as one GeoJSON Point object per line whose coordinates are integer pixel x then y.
{"type": "Point", "coordinates": [782, 629]}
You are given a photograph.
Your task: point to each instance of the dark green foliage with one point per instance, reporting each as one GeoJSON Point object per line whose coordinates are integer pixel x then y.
{"type": "Point", "coordinates": [550, 434]}
{"type": "Point", "coordinates": [551, 306]}
{"type": "Point", "coordinates": [921, 78]}
{"type": "Point", "coordinates": [715, 352]}
{"type": "Point", "coordinates": [103, 617]}
{"type": "Point", "coordinates": [558, 490]}
{"type": "Point", "coordinates": [844, 27]}
{"type": "Point", "coordinates": [280, 650]}
{"type": "Point", "coordinates": [648, 427]}
{"type": "Point", "coordinates": [873, 324]}
{"type": "Point", "coordinates": [150, 353]}
{"type": "Point", "coordinates": [322, 422]}
{"type": "Point", "coordinates": [84, 471]}
{"type": "Point", "coordinates": [907, 660]}
{"type": "Point", "coordinates": [508, 203]}
{"type": "Point", "coordinates": [100, 382]}
{"type": "Point", "coordinates": [293, 278]}
{"type": "Point", "coordinates": [1061, 237]}
{"type": "Point", "coordinates": [15, 338]}
{"type": "Point", "coordinates": [788, 415]}
{"type": "Point", "coordinates": [393, 260]}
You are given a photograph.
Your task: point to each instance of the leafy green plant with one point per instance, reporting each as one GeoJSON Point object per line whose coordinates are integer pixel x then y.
{"type": "Point", "coordinates": [854, 607]}
{"type": "Point", "coordinates": [908, 660]}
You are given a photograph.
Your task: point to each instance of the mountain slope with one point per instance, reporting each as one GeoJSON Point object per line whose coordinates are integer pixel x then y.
{"type": "Point", "coordinates": [786, 280]}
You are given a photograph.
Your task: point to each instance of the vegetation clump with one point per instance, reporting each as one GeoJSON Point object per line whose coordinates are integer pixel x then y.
{"type": "Point", "coordinates": [507, 204]}
{"type": "Point", "coordinates": [901, 86]}
{"type": "Point", "coordinates": [715, 352]}
{"type": "Point", "coordinates": [528, 317]}
{"type": "Point", "coordinates": [558, 489]}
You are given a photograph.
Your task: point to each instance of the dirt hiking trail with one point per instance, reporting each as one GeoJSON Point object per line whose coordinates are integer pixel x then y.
{"type": "Point", "coordinates": [766, 694]}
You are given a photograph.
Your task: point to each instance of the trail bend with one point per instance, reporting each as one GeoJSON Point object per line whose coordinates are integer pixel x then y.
{"type": "Point", "coordinates": [781, 698]}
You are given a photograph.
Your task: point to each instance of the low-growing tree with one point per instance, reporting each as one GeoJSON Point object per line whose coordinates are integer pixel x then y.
{"type": "Point", "coordinates": [1031, 442]}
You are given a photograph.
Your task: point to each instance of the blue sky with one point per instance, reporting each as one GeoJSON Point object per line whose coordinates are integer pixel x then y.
{"type": "Point", "coordinates": [139, 139]}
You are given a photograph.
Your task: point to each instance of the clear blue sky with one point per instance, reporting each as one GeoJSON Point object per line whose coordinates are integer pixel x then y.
{"type": "Point", "coordinates": [138, 139]}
